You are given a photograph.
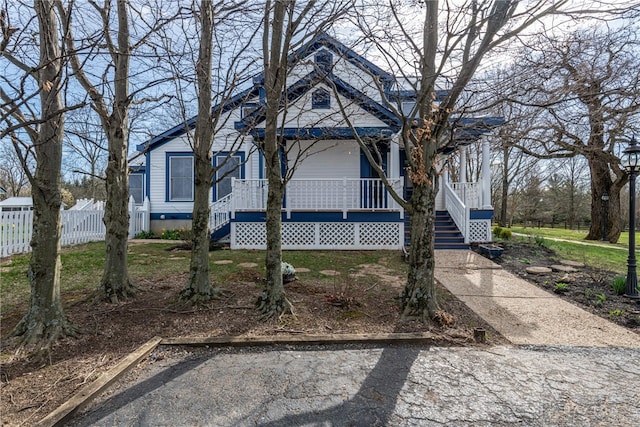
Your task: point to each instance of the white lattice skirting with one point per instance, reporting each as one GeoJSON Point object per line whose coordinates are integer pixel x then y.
{"type": "Point", "coordinates": [321, 235]}
{"type": "Point", "coordinates": [480, 231]}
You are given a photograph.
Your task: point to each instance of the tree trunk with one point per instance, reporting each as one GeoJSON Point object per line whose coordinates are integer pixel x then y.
{"type": "Point", "coordinates": [419, 297]}
{"type": "Point", "coordinates": [601, 182]}
{"type": "Point", "coordinates": [115, 284]}
{"type": "Point", "coordinates": [45, 320]}
{"type": "Point", "coordinates": [198, 287]}
{"type": "Point", "coordinates": [273, 300]}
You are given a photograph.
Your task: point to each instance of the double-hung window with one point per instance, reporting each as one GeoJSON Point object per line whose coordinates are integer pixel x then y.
{"type": "Point", "coordinates": [181, 181]}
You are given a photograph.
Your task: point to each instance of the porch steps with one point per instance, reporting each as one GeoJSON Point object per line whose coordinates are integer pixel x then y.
{"type": "Point", "coordinates": [447, 234]}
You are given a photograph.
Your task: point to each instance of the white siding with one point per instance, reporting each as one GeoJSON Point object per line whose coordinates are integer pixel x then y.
{"type": "Point", "coordinates": [301, 115]}
{"type": "Point", "coordinates": [226, 139]}
{"type": "Point", "coordinates": [326, 159]}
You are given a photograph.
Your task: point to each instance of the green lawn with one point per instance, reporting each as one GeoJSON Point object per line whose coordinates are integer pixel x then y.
{"type": "Point", "coordinates": [595, 253]}
{"type": "Point", "coordinates": [82, 267]}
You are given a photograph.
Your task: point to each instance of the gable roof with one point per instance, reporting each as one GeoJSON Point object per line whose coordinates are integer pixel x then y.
{"type": "Point", "coordinates": [307, 83]}
{"type": "Point", "coordinates": [318, 42]}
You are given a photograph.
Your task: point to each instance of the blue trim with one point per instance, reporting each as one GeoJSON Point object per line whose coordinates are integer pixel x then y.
{"type": "Point", "coordinates": [304, 85]}
{"type": "Point", "coordinates": [167, 175]}
{"type": "Point", "coordinates": [221, 232]}
{"type": "Point", "coordinates": [329, 133]}
{"type": "Point", "coordinates": [324, 40]}
{"type": "Point", "coordinates": [147, 160]}
{"type": "Point", "coordinates": [320, 99]}
{"type": "Point", "coordinates": [241, 165]}
{"type": "Point", "coordinates": [172, 215]}
{"type": "Point", "coordinates": [481, 214]}
{"type": "Point", "coordinates": [260, 164]}
{"type": "Point", "coordinates": [322, 217]}
{"type": "Point", "coordinates": [182, 128]}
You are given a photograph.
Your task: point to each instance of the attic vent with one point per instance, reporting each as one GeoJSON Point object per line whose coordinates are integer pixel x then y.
{"type": "Point", "coordinates": [324, 61]}
{"type": "Point", "coordinates": [320, 99]}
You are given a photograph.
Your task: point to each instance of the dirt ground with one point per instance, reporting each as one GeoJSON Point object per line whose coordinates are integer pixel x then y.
{"type": "Point", "coordinates": [588, 287]}
{"type": "Point", "coordinates": [368, 303]}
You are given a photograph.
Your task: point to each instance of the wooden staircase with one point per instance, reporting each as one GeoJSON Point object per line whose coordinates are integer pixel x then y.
{"type": "Point", "coordinates": [448, 236]}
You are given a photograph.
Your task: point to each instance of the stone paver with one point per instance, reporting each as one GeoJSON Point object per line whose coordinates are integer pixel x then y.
{"type": "Point", "coordinates": [538, 270]}
{"type": "Point", "coordinates": [397, 386]}
{"type": "Point", "coordinates": [329, 273]}
{"type": "Point", "coordinates": [223, 262]}
{"type": "Point", "coordinates": [571, 263]}
{"type": "Point", "coordinates": [248, 264]}
{"type": "Point", "coordinates": [302, 270]}
{"type": "Point", "coordinates": [563, 268]}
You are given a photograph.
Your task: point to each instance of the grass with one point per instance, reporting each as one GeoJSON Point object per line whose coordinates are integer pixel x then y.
{"type": "Point", "coordinates": [599, 256]}
{"type": "Point", "coordinates": [578, 235]}
{"type": "Point", "coordinates": [82, 267]}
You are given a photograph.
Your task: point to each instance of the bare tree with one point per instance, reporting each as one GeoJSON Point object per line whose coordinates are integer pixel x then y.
{"type": "Point", "coordinates": [445, 51]}
{"type": "Point", "coordinates": [111, 99]}
{"type": "Point", "coordinates": [585, 85]}
{"type": "Point", "coordinates": [12, 174]}
{"type": "Point", "coordinates": [208, 121]}
{"type": "Point", "coordinates": [43, 124]}
{"type": "Point", "coordinates": [286, 24]}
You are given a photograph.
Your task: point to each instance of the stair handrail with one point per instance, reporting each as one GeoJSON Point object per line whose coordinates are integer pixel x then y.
{"type": "Point", "coordinates": [220, 212]}
{"type": "Point", "coordinates": [460, 213]}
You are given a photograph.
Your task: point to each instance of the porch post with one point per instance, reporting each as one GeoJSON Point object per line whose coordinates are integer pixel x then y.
{"type": "Point", "coordinates": [463, 164]}
{"type": "Point", "coordinates": [394, 157]}
{"type": "Point", "coordinates": [486, 175]}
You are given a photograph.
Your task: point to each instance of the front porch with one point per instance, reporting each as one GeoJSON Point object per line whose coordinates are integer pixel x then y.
{"type": "Point", "coordinates": [340, 213]}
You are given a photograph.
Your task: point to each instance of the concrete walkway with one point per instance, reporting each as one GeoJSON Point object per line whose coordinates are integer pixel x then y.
{"type": "Point", "coordinates": [519, 310]}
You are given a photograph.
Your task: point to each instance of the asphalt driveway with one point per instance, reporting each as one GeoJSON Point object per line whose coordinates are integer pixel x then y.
{"type": "Point", "coordinates": [367, 386]}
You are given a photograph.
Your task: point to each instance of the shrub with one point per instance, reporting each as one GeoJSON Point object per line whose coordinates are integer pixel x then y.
{"type": "Point", "coordinates": [181, 233]}
{"type": "Point", "coordinates": [501, 233]}
{"type": "Point", "coordinates": [619, 285]}
{"type": "Point", "coordinates": [144, 235]}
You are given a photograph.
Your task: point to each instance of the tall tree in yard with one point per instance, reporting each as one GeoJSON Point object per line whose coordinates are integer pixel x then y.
{"type": "Point", "coordinates": [111, 99]}
{"type": "Point", "coordinates": [286, 23]}
{"type": "Point", "coordinates": [199, 288]}
{"type": "Point", "coordinates": [45, 320]}
{"type": "Point", "coordinates": [450, 59]}
{"type": "Point", "coordinates": [586, 88]}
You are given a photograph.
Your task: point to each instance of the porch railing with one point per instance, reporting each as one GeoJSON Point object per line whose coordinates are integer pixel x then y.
{"type": "Point", "coordinates": [457, 209]}
{"type": "Point", "coordinates": [316, 195]}
{"type": "Point", "coordinates": [220, 211]}
{"type": "Point", "coordinates": [468, 192]}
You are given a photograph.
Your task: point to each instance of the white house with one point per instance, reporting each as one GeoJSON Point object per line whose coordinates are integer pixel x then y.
{"type": "Point", "coordinates": [335, 200]}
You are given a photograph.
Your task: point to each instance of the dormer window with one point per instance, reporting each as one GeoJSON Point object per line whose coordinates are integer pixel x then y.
{"type": "Point", "coordinates": [324, 61]}
{"type": "Point", "coordinates": [247, 109]}
{"type": "Point", "coordinates": [320, 99]}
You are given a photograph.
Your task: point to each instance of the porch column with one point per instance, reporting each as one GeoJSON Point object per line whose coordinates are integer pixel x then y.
{"type": "Point", "coordinates": [463, 164]}
{"type": "Point", "coordinates": [486, 175]}
{"type": "Point", "coordinates": [394, 157]}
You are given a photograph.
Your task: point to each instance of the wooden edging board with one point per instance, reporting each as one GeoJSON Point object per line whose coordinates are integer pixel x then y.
{"type": "Point", "coordinates": [231, 341]}
{"type": "Point", "coordinates": [89, 391]}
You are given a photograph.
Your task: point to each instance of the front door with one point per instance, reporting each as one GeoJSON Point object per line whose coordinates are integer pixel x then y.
{"type": "Point", "coordinates": [372, 193]}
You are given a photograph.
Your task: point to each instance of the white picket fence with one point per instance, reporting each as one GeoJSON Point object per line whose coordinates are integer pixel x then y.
{"type": "Point", "coordinates": [80, 225]}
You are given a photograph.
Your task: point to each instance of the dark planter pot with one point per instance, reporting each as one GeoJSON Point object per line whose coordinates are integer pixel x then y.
{"type": "Point", "coordinates": [492, 251]}
{"type": "Point", "coordinates": [288, 278]}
